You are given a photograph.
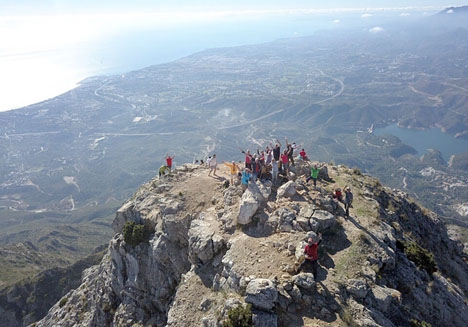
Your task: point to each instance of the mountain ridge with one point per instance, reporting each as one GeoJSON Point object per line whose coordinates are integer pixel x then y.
{"type": "Point", "coordinates": [211, 249]}
{"type": "Point", "coordinates": [71, 161]}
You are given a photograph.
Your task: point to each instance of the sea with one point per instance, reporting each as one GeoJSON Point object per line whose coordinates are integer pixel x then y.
{"type": "Point", "coordinates": [36, 67]}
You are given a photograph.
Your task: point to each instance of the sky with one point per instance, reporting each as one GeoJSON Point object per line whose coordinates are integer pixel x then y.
{"type": "Point", "coordinates": [60, 6]}
{"type": "Point", "coordinates": [43, 42]}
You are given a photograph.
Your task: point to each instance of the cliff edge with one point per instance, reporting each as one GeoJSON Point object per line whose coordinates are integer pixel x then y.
{"type": "Point", "coordinates": [190, 250]}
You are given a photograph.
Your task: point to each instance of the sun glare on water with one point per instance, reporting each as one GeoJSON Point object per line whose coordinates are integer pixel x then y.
{"type": "Point", "coordinates": [42, 56]}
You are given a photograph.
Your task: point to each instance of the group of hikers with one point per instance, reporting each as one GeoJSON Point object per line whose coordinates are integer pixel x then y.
{"type": "Point", "coordinates": [270, 163]}
{"type": "Point", "coordinates": [346, 199]}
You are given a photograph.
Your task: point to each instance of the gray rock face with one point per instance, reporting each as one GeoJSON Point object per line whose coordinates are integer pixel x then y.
{"type": "Point", "coordinates": [136, 284]}
{"type": "Point", "coordinates": [357, 288]}
{"type": "Point", "coordinates": [195, 267]}
{"type": "Point", "coordinates": [287, 190]}
{"type": "Point", "coordinates": [126, 213]}
{"type": "Point", "coordinates": [286, 219]}
{"type": "Point", "coordinates": [261, 293]}
{"type": "Point", "coordinates": [321, 220]}
{"type": "Point", "coordinates": [251, 201]}
{"type": "Point", "coordinates": [248, 207]}
{"type": "Point", "coordinates": [384, 297]}
{"type": "Point", "coordinates": [264, 319]}
{"type": "Point", "coordinates": [204, 243]}
{"type": "Point", "coordinates": [304, 280]}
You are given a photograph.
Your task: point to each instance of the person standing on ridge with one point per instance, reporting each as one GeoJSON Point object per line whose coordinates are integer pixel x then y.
{"type": "Point", "coordinates": [212, 165]}
{"type": "Point", "coordinates": [290, 152]}
{"type": "Point", "coordinates": [248, 158]}
{"type": "Point", "coordinates": [268, 156]}
{"type": "Point", "coordinates": [277, 151]}
{"type": "Point", "coordinates": [314, 172]}
{"type": "Point", "coordinates": [291, 148]}
{"type": "Point", "coordinates": [311, 255]}
{"type": "Point", "coordinates": [348, 200]}
{"type": "Point", "coordinates": [285, 162]}
{"type": "Point", "coordinates": [245, 178]}
{"type": "Point", "coordinates": [233, 170]}
{"type": "Point", "coordinates": [169, 161]}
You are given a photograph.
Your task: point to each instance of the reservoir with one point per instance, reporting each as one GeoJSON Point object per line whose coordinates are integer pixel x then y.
{"type": "Point", "coordinates": [422, 140]}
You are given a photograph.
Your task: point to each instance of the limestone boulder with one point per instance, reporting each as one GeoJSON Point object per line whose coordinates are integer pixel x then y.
{"type": "Point", "coordinates": [304, 280]}
{"type": "Point", "coordinates": [321, 220]}
{"type": "Point", "coordinates": [261, 293]}
{"type": "Point", "coordinates": [287, 190]}
{"type": "Point", "coordinates": [248, 207]}
{"type": "Point", "coordinates": [204, 243]}
{"type": "Point", "coordinates": [126, 212]}
{"type": "Point", "coordinates": [264, 188]}
{"type": "Point", "coordinates": [287, 218]}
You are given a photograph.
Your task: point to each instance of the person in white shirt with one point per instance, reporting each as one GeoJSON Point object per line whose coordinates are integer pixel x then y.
{"type": "Point", "coordinates": [212, 165]}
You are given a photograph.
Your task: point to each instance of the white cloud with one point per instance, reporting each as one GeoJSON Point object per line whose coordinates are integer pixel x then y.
{"type": "Point", "coordinates": [336, 21]}
{"type": "Point", "coordinates": [403, 14]}
{"type": "Point", "coordinates": [450, 11]}
{"type": "Point", "coordinates": [366, 15]}
{"type": "Point", "coordinates": [376, 29]}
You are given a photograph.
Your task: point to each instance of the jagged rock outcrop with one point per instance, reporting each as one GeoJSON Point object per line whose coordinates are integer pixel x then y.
{"type": "Point", "coordinates": [210, 249]}
{"type": "Point", "coordinates": [29, 300]}
{"type": "Point", "coordinates": [261, 293]}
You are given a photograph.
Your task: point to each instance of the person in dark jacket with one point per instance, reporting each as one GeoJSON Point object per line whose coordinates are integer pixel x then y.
{"type": "Point", "coordinates": [348, 200]}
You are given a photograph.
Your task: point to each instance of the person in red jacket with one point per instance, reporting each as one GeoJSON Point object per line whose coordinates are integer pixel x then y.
{"type": "Point", "coordinates": [311, 255]}
{"type": "Point", "coordinates": [248, 158]}
{"type": "Point", "coordinates": [169, 161]}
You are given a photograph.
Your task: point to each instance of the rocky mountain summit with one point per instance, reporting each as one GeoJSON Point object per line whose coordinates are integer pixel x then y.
{"type": "Point", "coordinates": [190, 250]}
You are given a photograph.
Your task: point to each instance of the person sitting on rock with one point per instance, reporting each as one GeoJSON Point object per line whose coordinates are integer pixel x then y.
{"type": "Point", "coordinates": [311, 255]}
{"type": "Point", "coordinates": [335, 197]}
{"type": "Point", "coordinates": [338, 195]}
{"type": "Point", "coordinates": [259, 169]}
{"type": "Point", "coordinates": [164, 170]}
{"type": "Point", "coordinates": [303, 155]}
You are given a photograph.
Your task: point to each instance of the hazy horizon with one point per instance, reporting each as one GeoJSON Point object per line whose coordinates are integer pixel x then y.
{"type": "Point", "coordinates": [49, 46]}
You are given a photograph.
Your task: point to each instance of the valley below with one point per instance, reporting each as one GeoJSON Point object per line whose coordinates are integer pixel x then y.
{"type": "Point", "coordinates": [68, 163]}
